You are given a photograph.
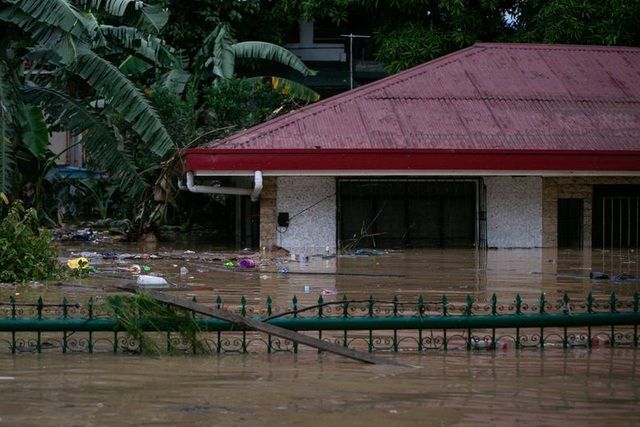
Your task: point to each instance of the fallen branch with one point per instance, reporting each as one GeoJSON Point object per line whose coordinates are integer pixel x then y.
{"type": "Point", "coordinates": [250, 324]}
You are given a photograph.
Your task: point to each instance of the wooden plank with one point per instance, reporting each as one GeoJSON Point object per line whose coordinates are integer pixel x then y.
{"type": "Point", "coordinates": [251, 324]}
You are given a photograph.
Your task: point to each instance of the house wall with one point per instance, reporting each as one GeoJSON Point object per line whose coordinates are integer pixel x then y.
{"type": "Point", "coordinates": [312, 230]}
{"type": "Point", "coordinates": [58, 142]}
{"type": "Point", "coordinates": [572, 188]}
{"type": "Point", "coordinates": [514, 212]}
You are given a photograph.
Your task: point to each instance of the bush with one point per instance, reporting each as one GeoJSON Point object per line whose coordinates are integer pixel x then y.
{"type": "Point", "coordinates": [26, 253]}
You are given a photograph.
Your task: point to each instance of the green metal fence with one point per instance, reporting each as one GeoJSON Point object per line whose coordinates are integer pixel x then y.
{"type": "Point", "coordinates": [371, 325]}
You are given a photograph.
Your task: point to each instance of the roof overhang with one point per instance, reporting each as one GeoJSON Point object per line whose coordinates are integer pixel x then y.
{"type": "Point", "coordinates": [414, 162]}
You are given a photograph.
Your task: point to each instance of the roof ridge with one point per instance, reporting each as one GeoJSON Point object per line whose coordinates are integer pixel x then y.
{"type": "Point", "coordinates": [621, 100]}
{"type": "Point", "coordinates": [545, 46]}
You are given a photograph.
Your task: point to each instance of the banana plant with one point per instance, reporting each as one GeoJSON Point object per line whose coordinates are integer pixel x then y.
{"type": "Point", "coordinates": [69, 53]}
{"type": "Point", "coordinates": [219, 51]}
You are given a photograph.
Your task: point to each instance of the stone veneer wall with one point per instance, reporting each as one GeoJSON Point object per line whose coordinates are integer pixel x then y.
{"type": "Point", "coordinates": [268, 212]}
{"type": "Point", "coordinates": [315, 228]}
{"type": "Point", "coordinates": [572, 188]}
{"type": "Point", "coordinates": [514, 212]}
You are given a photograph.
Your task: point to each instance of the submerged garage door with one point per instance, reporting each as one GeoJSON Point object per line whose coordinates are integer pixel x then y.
{"type": "Point", "coordinates": [390, 213]}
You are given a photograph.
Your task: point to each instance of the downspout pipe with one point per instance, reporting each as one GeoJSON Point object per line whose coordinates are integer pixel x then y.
{"type": "Point", "coordinates": [254, 192]}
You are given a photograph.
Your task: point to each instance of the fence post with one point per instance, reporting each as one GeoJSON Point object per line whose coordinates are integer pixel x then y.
{"type": "Point", "coordinates": [370, 313]}
{"type": "Point", "coordinates": [636, 303]}
{"type": "Point", "coordinates": [445, 310]}
{"type": "Point", "coordinates": [320, 314]}
{"type": "Point", "coordinates": [542, 302]}
{"type": "Point", "coordinates": [294, 305]}
{"type": "Point", "coordinates": [12, 301]}
{"type": "Point", "coordinates": [613, 301]}
{"type": "Point", "coordinates": [40, 305]}
{"type": "Point", "coordinates": [90, 313]}
{"type": "Point", "coordinates": [243, 313]}
{"type": "Point", "coordinates": [566, 309]}
{"type": "Point", "coordinates": [590, 305]}
{"type": "Point", "coordinates": [345, 314]}
{"type": "Point", "coordinates": [494, 312]}
{"type": "Point", "coordinates": [194, 338]}
{"type": "Point", "coordinates": [218, 338]}
{"type": "Point", "coordinates": [269, 311]}
{"type": "Point", "coordinates": [395, 331]}
{"type": "Point", "coordinates": [518, 302]}
{"type": "Point", "coordinates": [467, 312]}
{"type": "Point", "coordinates": [65, 313]}
{"type": "Point", "coordinates": [421, 310]}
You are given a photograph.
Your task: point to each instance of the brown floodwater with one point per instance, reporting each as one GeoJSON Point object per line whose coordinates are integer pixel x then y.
{"type": "Point", "coordinates": [505, 387]}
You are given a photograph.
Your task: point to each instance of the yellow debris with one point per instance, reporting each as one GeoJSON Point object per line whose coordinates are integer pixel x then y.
{"type": "Point", "coordinates": [78, 263]}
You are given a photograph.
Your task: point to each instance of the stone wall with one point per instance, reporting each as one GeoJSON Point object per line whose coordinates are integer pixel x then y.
{"type": "Point", "coordinates": [514, 212]}
{"type": "Point", "coordinates": [572, 188]}
{"type": "Point", "coordinates": [311, 204]}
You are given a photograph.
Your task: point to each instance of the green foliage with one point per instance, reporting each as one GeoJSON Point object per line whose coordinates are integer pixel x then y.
{"type": "Point", "coordinates": [408, 32]}
{"type": "Point", "coordinates": [133, 311]}
{"type": "Point", "coordinates": [26, 253]}
{"type": "Point", "coordinates": [334, 10]}
{"type": "Point", "coordinates": [179, 112]}
{"type": "Point", "coordinates": [35, 133]}
{"type": "Point", "coordinates": [609, 22]}
{"type": "Point", "coordinates": [241, 103]}
{"type": "Point", "coordinates": [56, 36]}
{"type": "Point", "coordinates": [409, 46]}
{"type": "Point", "coordinates": [191, 21]}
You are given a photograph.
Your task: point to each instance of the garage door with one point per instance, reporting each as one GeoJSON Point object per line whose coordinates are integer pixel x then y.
{"type": "Point", "coordinates": [390, 213]}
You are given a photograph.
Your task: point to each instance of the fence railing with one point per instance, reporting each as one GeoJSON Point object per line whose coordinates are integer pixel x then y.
{"type": "Point", "coordinates": [369, 325]}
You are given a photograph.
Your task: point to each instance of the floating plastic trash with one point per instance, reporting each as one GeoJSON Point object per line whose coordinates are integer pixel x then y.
{"type": "Point", "coordinates": [82, 235]}
{"type": "Point", "coordinates": [283, 270]}
{"type": "Point", "coordinates": [184, 271]}
{"type": "Point", "coordinates": [624, 276]}
{"type": "Point", "coordinates": [327, 291]}
{"type": "Point", "coordinates": [149, 281]}
{"type": "Point", "coordinates": [78, 263]}
{"type": "Point", "coordinates": [89, 255]}
{"type": "Point", "coordinates": [247, 263]}
{"type": "Point", "coordinates": [367, 252]}
{"type": "Point", "coordinates": [229, 264]}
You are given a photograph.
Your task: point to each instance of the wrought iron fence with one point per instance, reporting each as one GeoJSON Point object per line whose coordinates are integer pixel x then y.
{"type": "Point", "coordinates": [372, 325]}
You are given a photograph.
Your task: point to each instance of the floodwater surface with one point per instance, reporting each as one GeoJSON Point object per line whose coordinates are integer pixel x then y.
{"type": "Point", "coordinates": [505, 387]}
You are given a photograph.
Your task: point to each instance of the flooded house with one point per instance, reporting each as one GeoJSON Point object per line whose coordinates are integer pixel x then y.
{"type": "Point", "coordinates": [496, 145]}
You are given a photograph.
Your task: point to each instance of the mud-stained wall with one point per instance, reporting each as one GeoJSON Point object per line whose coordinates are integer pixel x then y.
{"type": "Point", "coordinates": [573, 188]}
{"type": "Point", "coordinates": [312, 230]}
{"type": "Point", "coordinates": [514, 212]}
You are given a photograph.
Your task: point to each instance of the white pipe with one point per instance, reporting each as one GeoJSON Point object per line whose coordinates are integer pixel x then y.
{"type": "Point", "coordinates": [254, 193]}
{"type": "Point", "coordinates": [257, 186]}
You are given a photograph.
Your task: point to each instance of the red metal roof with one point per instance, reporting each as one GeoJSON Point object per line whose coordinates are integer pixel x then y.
{"type": "Point", "coordinates": [488, 98]}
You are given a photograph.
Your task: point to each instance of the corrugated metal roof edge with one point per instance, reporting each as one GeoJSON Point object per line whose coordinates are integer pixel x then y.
{"type": "Point", "coordinates": [578, 47]}
{"type": "Point", "coordinates": [289, 119]}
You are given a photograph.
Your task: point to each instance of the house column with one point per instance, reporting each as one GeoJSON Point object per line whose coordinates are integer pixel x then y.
{"type": "Point", "coordinates": [268, 212]}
